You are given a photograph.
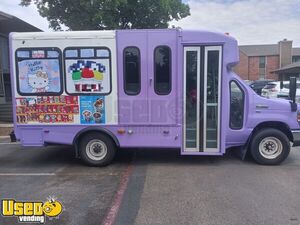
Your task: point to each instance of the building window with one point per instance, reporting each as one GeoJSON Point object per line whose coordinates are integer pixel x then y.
{"type": "Point", "coordinates": [88, 70]}
{"type": "Point", "coordinates": [262, 67]}
{"type": "Point", "coordinates": [162, 70]}
{"type": "Point", "coordinates": [262, 62]}
{"type": "Point", "coordinates": [132, 73]}
{"type": "Point", "coordinates": [39, 71]}
{"type": "Point", "coordinates": [296, 58]}
{"type": "Point", "coordinates": [236, 106]}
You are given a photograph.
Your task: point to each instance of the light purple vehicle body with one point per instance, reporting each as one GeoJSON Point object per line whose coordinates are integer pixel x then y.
{"type": "Point", "coordinates": [142, 88]}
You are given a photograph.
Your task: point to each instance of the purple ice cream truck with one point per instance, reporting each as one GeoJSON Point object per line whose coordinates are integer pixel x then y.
{"type": "Point", "coordinates": [102, 91]}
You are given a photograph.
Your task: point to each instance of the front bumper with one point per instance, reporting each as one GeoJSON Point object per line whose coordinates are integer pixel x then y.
{"type": "Point", "coordinates": [296, 137]}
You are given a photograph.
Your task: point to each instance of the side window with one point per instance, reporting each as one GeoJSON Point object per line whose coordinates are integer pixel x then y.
{"type": "Point", "coordinates": [237, 98]}
{"type": "Point", "coordinates": [162, 70]}
{"type": "Point", "coordinates": [132, 72]}
{"type": "Point", "coordinates": [38, 71]}
{"type": "Point", "coordinates": [88, 70]}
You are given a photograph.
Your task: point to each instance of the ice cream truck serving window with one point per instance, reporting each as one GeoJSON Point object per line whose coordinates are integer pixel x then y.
{"type": "Point", "coordinates": [87, 70]}
{"type": "Point", "coordinates": [39, 71]}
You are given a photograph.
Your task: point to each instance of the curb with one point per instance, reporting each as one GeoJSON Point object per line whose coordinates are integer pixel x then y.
{"type": "Point", "coordinates": [3, 137]}
{"type": "Point", "coordinates": [6, 125]}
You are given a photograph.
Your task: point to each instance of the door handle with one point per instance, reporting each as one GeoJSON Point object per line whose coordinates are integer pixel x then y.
{"type": "Point", "coordinates": [150, 81]}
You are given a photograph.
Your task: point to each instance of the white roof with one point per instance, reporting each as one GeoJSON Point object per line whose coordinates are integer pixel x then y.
{"type": "Point", "coordinates": [64, 34]}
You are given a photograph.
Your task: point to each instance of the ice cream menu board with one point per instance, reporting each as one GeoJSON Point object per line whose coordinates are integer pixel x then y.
{"type": "Point", "coordinates": [47, 109]}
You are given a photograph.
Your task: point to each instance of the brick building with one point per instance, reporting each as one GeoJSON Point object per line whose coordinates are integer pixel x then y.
{"type": "Point", "coordinates": [259, 61]}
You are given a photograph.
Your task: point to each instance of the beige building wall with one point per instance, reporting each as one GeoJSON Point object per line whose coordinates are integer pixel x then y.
{"type": "Point", "coordinates": [285, 52]}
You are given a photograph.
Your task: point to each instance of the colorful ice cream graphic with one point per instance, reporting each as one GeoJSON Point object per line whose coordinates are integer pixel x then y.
{"type": "Point", "coordinates": [87, 75]}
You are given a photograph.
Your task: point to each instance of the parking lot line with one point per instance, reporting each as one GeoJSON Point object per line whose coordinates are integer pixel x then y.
{"type": "Point", "coordinates": [27, 174]}
{"type": "Point", "coordinates": [111, 215]}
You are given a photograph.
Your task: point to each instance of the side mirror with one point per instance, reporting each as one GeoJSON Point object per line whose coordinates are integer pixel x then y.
{"type": "Point", "coordinates": [292, 93]}
{"type": "Point", "coordinates": [293, 87]}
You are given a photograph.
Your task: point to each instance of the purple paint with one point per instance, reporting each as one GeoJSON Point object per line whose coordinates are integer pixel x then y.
{"type": "Point", "coordinates": [152, 120]}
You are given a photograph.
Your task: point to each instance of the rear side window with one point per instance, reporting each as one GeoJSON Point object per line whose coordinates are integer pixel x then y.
{"type": "Point", "coordinates": [132, 73]}
{"type": "Point", "coordinates": [237, 99]}
{"type": "Point", "coordinates": [162, 70]}
{"type": "Point", "coordinates": [39, 71]}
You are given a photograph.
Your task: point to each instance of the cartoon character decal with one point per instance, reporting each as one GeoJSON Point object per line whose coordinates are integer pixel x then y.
{"type": "Point", "coordinates": [39, 76]}
{"type": "Point", "coordinates": [87, 75]}
{"type": "Point", "coordinates": [39, 82]}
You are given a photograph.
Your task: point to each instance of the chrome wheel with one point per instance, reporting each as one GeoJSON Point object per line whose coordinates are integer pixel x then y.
{"type": "Point", "coordinates": [96, 149]}
{"type": "Point", "coordinates": [270, 147]}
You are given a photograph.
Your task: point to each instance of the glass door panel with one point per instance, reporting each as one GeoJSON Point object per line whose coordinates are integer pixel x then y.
{"type": "Point", "coordinates": [191, 98]}
{"type": "Point", "coordinates": [212, 100]}
{"type": "Point", "coordinates": [202, 85]}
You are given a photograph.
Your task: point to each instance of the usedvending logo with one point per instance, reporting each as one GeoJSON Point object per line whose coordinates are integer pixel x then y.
{"type": "Point", "coordinates": [31, 211]}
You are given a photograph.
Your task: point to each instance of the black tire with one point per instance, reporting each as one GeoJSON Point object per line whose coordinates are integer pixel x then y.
{"type": "Point", "coordinates": [97, 149]}
{"type": "Point", "coordinates": [266, 144]}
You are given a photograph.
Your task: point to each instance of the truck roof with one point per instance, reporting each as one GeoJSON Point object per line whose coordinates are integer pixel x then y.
{"type": "Point", "coordinates": [187, 35]}
{"type": "Point", "coordinates": [63, 34]}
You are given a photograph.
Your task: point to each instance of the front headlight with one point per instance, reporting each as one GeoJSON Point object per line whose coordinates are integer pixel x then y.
{"type": "Point", "coordinates": [298, 116]}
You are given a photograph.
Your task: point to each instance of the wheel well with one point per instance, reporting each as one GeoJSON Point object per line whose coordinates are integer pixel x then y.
{"type": "Point", "coordinates": [269, 124]}
{"type": "Point", "coordinates": [86, 131]}
{"type": "Point", "coordinates": [276, 125]}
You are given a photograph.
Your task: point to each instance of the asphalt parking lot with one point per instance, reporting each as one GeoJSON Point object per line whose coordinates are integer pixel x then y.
{"type": "Point", "coordinates": [162, 187]}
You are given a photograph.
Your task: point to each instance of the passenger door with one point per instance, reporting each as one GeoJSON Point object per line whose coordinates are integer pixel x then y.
{"type": "Point", "coordinates": [162, 76]}
{"type": "Point", "coordinates": [202, 86]}
{"type": "Point", "coordinates": [132, 77]}
{"type": "Point", "coordinates": [147, 59]}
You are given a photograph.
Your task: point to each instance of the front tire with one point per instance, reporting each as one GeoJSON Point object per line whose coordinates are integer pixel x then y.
{"type": "Point", "coordinates": [97, 149]}
{"type": "Point", "coordinates": [270, 146]}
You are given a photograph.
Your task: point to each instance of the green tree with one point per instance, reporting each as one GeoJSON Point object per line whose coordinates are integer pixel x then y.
{"type": "Point", "coordinates": [109, 14]}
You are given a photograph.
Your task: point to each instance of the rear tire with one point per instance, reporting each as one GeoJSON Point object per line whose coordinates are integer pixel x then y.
{"type": "Point", "coordinates": [270, 146]}
{"type": "Point", "coordinates": [97, 149]}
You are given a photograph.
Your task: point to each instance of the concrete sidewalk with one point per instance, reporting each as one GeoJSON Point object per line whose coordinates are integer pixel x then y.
{"type": "Point", "coordinates": [5, 129]}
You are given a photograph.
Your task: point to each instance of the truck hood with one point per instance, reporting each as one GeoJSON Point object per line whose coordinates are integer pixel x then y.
{"type": "Point", "coordinates": [272, 104]}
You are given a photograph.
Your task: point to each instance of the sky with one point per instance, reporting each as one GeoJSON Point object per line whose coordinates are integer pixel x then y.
{"type": "Point", "coordinates": [249, 21]}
